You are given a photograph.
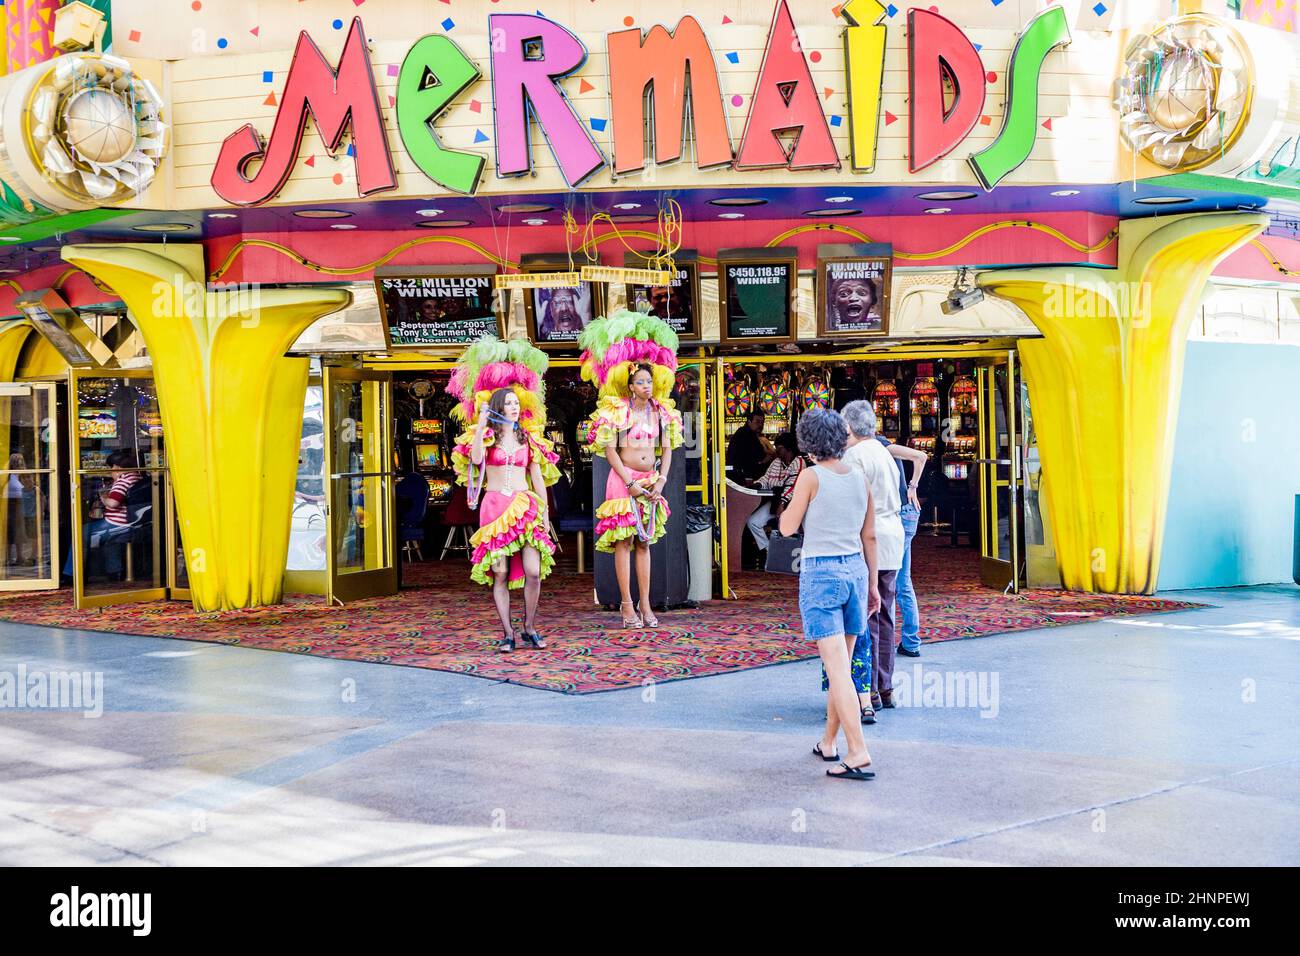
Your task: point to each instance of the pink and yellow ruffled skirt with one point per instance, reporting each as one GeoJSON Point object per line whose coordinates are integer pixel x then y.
{"type": "Point", "coordinates": [507, 525]}
{"type": "Point", "coordinates": [616, 519]}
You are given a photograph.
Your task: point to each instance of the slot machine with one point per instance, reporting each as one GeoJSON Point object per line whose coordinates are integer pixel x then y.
{"type": "Point", "coordinates": [960, 446]}
{"type": "Point", "coordinates": [431, 457]}
{"type": "Point", "coordinates": [885, 401]}
{"type": "Point", "coordinates": [923, 405]}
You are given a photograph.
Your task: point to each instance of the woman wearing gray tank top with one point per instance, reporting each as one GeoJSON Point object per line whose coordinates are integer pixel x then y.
{"type": "Point", "coordinates": [837, 576]}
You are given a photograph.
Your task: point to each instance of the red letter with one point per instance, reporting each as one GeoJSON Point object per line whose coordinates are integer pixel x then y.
{"type": "Point", "coordinates": [677, 66]}
{"type": "Point", "coordinates": [335, 100]}
{"type": "Point", "coordinates": [785, 100]}
{"type": "Point", "coordinates": [936, 48]}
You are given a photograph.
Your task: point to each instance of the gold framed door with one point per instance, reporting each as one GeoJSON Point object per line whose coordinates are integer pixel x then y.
{"type": "Point", "coordinates": [360, 507]}
{"type": "Point", "coordinates": [29, 477]}
{"type": "Point", "coordinates": [125, 540]}
{"type": "Point", "coordinates": [1000, 473]}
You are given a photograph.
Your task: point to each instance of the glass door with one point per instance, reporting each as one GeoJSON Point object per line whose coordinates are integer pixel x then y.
{"type": "Point", "coordinates": [29, 520]}
{"type": "Point", "coordinates": [1000, 474]}
{"type": "Point", "coordinates": [125, 543]}
{"type": "Point", "coordinates": [359, 484]}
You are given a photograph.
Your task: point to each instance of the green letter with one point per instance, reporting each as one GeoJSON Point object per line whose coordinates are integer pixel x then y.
{"type": "Point", "coordinates": [433, 74]}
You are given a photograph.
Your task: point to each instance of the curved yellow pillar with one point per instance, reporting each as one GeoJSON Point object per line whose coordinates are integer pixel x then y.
{"type": "Point", "coordinates": [1104, 384]}
{"type": "Point", "coordinates": [231, 407]}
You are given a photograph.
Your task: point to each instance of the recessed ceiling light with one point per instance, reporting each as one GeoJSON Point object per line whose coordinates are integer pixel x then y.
{"type": "Point", "coordinates": [1163, 200]}
{"type": "Point", "coordinates": [938, 210]}
{"type": "Point", "coordinates": [738, 201]}
{"type": "Point", "coordinates": [634, 217]}
{"type": "Point", "coordinates": [839, 199]}
{"type": "Point", "coordinates": [162, 227]}
{"type": "Point", "coordinates": [524, 207]}
{"type": "Point", "coordinates": [534, 222]}
{"type": "Point", "coordinates": [442, 223]}
{"type": "Point", "coordinates": [731, 215]}
{"type": "Point", "coordinates": [946, 196]}
{"type": "Point", "coordinates": [1065, 192]}
{"type": "Point", "coordinates": [8, 272]}
{"type": "Point", "coordinates": [11, 238]}
{"type": "Point", "coordinates": [342, 225]}
{"type": "Point", "coordinates": [321, 214]}
{"type": "Point", "coordinates": [428, 212]}
{"type": "Point", "coordinates": [45, 248]}
{"type": "Point", "coordinates": [223, 215]}
{"type": "Point", "coordinates": [833, 212]}
{"type": "Point", "coordinates": [627, 205]}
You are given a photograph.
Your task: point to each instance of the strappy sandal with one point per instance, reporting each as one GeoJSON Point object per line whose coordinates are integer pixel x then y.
{"type": "Point", "coordinates": [868, 715]}
{"type": "Point", "coordinates": [853, 773]}
{"type": "Point", "coordinates": [829, 758]}
{"type": "Point", "coordinates": [651, 620]}
{"type": "Point", "coordinates": [507, 643]}
{"type": "Point", "coordinates": [635, 620]}
{"type": "Point", "coordinates": [535, 639]}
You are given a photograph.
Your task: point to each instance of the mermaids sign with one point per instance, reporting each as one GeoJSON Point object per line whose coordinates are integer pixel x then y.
{"type": "Point", "coordinates": [785, 127]}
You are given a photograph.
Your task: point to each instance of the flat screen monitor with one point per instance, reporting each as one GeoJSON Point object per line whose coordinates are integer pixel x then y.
{"type": "Point", "coordinates": [428, 456]}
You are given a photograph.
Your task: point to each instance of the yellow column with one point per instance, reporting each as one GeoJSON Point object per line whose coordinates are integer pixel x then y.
{"type": "Point", "coordinates": [231, 408]}
{"type": "Point", "coordinates": [1104, 386]}
{"type": "Point", "coordinates": [12, 340]}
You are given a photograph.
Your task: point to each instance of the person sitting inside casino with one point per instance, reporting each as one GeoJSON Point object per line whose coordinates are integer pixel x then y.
{"type": "Point", "coordinates": [780, 477]}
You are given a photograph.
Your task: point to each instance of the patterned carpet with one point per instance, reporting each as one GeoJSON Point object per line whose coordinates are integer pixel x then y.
{"type": "Point", "coordinates": [439, 622]}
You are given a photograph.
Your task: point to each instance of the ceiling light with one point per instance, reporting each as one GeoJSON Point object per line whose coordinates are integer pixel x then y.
{"type": "Point", "coordinates": [731, 215]}
{"type": "Point", "coordinates": [428, 212]}
{"type": "Point", "coordinates": [11, 238]}
{"type": "Point", "coordinates": [938, 210]}
{"type": "Point", "coordinates": [946, 196]}
{"type": "Point", "coordinates": [738, 201]}
{"type": "Point", "coordinates": [1065, 192]}
{"type": "Point", "coordinates": [534, 222]}
{"type": "Point", "coordinates": [833, 212]}
{"type": "Point", "coordinates": [1163, 200]}
{"type": "Point", "coordinates": [524, 207]}
{"type": "Point", "coordinates": [223, 215]}
{"type": "Point", "coordinates": [442, 223]}
{"type": "Point", "coordinates": [162, 227]}
{"type": "Point", "coordinates": [640, 217]}
{"type": "Point", "coordinates": [838, 199]}
{"type": "Point", "coordinates": [627, 205]}
{"type": "Point", "coordinates": [342, 225]}
{"type": "Point", "coordinates": [321, 214]}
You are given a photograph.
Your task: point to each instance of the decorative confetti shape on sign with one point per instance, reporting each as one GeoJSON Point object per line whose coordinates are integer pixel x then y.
{"type": "Point", "coordinates": [337, 179]}
{"type": "Point", "coordinates": [480, 136]}
{"type": "Point", "coordinates": [733, 57]}
{"type": "Point", "coordinates": [448, 24]}
{"type": "Point", "coordinates": [392, 100]}
{"type": "Point", "coordinates": [991, 76]}
{"type": "Point", "coordinates": [134, 36]}
{"type": "Point", "coordinates": [352, 150]}
{"type": "Point", "coordinates": [985, 120]}
{"type": "Point", "coordinates": [475, 106]}
{"type": "Point", "coordinates": [890, 118]}
{"type": "Point", "coordinates": [256, 31]}
{"type": "Point", "coordinates": [1047, 124]}
{"type": "Point", "coordinates": [891, 10]}
{"type": "Point", "coordinates": [598, 124]}
{"type": "Point", "coordinates": [725, 19]}
{"type": "Point", "coordinates": [827, 92]}
{"type": "Point", "coordinates": [270, 100]}
{"type": "Point", "coordinates": [394, 69]}
{"type": "Point", "coordinates": [309, 161]}
{"type": "Point", "coordinates": [836, 120]}
{"type": "Point", "coordinates": [1099, 9]}
{"type": "Point", "coordinates": [584, 86]}
{"type": "Point", "coordinates": [268, 76]}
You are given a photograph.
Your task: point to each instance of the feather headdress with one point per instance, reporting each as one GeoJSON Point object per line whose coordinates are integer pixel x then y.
{"type": "Point", "coordinates": [613, 346]}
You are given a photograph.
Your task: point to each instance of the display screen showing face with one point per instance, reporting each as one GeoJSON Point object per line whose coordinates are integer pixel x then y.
{"type": "Point", "coordinates": [674, 303]}
{"type": "Point", "coordinates": [756, 296]}
{"type": "Point", "coordinates": [855, 297]}
{"type": "Point", "coordinates": [437, 310]}
{"type": "Point", "coordinates": [560, 314]}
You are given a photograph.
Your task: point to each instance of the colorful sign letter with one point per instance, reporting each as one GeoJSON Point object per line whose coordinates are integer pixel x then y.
{"type": "Point", "coordinates": [864, 64]}
{"type": "Point", "coordinates": [1043, 34]}
{"type": "Point", "coordinates": [433, 74]}
{"type": "Point", "coordinates": [336, 100]}
{"type": "Point", "coordinates": [785, 101]}
{"type": "Point", "coordinates": [529, 54]}
{"type": "Point", "coordinates": [679, 67]}
{"type": "Point", "coordinates": [937, 49]}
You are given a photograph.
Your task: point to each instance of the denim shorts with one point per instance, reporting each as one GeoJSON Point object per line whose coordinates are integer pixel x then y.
{"type": "Point", "coordinates": [833, 596]}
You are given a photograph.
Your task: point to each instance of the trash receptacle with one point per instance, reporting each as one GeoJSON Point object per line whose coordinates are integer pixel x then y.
{"type": "Point", "coordinates": [699, 548]}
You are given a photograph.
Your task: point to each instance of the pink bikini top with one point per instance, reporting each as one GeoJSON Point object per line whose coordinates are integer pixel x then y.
{"type": "Point", "coordinates": [521, 457]}
{"type": "Point", "coordinates": [639, 432]}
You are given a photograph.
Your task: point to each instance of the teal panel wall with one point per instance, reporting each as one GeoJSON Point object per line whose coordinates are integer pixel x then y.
{"type": "Point", "coordinates": [1236, 467]}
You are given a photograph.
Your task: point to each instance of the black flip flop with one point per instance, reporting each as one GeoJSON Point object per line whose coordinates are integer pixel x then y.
{"type": "Point", "coordinates": [506, 645]}
{"type": "Point", "coordinates": [853, 773]}
{"type": "Point", "coordinates": [817, 750]}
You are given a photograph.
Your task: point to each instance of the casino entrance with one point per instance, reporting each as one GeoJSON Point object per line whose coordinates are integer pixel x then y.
{"type": "Point", "coordinates": [966, 408]}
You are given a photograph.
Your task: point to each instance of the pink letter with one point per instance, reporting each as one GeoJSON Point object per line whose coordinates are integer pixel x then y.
{"type": "Point", "coordinates": [785, 101]}
{"type": "Point", "coordinates": [529, 53]}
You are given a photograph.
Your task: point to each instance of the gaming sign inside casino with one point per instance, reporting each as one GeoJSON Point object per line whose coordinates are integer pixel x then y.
{"type": "Point", "coordinates": [659, 81]}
